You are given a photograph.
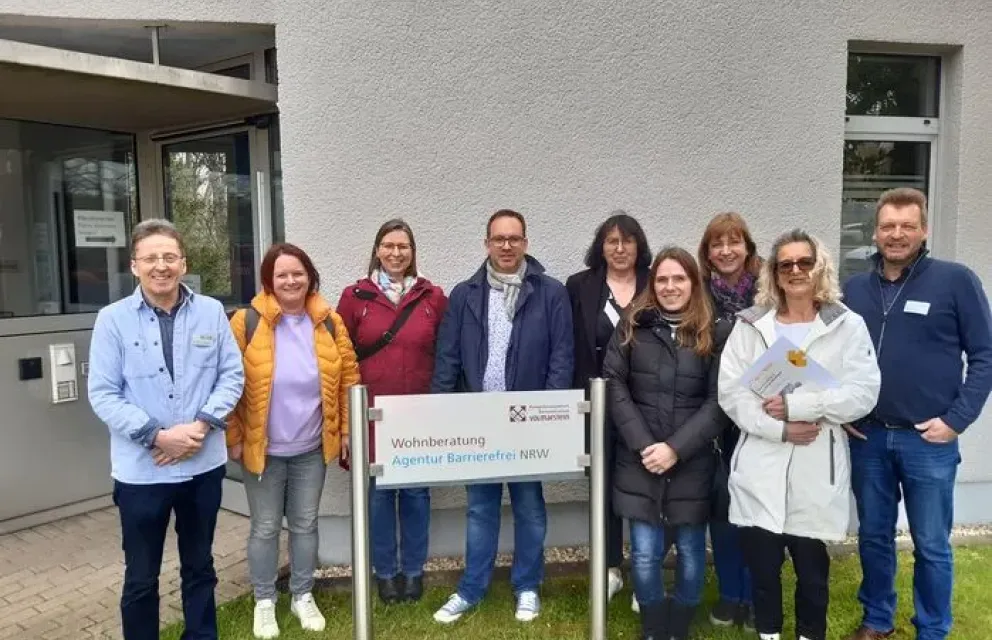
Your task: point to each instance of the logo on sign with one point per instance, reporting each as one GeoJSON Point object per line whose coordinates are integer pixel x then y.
{"type": "Point", "coordinates": [518, 413]}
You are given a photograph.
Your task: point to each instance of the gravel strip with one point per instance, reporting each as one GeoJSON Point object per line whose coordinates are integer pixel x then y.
{"type": "Point", "coordinates": [578, 554]}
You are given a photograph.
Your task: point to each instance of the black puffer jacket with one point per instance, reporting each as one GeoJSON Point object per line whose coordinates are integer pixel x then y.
{"type": "Point", "coordinates": [659, 391]}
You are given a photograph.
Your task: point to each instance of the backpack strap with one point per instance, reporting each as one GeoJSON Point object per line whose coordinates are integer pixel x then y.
{"type": "Point", "coordinates": [251, 323]}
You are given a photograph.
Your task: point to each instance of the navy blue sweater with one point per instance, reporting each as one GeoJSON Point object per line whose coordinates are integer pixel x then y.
{"type": "Point", "coordinates": [940, 313]}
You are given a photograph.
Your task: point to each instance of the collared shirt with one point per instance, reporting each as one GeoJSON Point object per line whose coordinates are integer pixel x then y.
{"type": "Point", "coordinates": [167, 325]}
{"type": "Point", "coordinates": [135, 392]}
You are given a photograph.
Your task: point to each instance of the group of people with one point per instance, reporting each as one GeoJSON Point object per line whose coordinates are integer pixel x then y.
{"type": "Point", "coordinates": [691, 449]}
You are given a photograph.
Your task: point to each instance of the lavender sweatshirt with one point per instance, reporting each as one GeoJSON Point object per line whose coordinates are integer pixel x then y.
{"type": "Point", "coordinates": [295, 416]}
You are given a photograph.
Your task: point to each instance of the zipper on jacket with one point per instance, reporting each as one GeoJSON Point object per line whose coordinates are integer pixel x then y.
{"type": "Point", "coordinates": [832, 467]}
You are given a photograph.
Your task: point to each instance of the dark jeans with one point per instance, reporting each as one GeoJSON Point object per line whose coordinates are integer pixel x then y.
{"type": "Point", "coordinates": [650, 543]}
{"type": "Point", "coordinates": [145, 511]}
{"type": "Point", "coordinates": [728, 560]}
{"type": "Point", "coordinates": [414, 534]}
{"type": "Point", "coordinates": [530, 526]}
{"type": "Point", "coordinates": [765, 553]}
{"type": "Point", "coordinates": [889, 461]}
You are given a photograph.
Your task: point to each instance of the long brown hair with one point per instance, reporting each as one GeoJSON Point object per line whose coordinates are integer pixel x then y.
{"type": "Point", "coordinates": [730, 224]}
{"type": "Point", "coordinates": [696, 328]}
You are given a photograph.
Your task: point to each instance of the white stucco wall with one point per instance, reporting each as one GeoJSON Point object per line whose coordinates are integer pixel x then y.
{"type": "Point", "coordinates": [672, 111]}
{"type": "Point", "coordinates": [443, 112]}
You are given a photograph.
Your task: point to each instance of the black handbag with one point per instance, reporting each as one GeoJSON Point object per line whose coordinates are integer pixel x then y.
{"type": "Point", "coordinates": [719, 491]}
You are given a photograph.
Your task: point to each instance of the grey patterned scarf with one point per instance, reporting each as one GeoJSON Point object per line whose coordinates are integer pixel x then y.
{"type": "Point", "coordinates": [509, 284]}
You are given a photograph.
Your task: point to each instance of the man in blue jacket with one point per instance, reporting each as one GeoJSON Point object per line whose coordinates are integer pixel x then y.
{"type": "Point", "coordinates": [507, 328]}
{"type": "Point", "coordinates": [164, 373]}
{"type": "Point", "coordinates": [923, 314]}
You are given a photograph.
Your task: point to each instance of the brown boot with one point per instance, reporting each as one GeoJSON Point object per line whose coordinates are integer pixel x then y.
{"type": "Point", "coordinates": [864, 633]}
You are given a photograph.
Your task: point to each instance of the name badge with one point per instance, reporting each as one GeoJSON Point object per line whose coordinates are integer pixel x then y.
{"type": "Point", "coordinates": [917, 307]}
{"type": "Point", "coordinates": [203, 340]}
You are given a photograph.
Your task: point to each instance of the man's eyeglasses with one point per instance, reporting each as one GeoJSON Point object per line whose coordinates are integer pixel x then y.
{"type": "Point", "coordinates": [786, 267]}
{"type": "Point", "coordinates": [150, 260]}
{"type": "Point", "coordinates": [501, 241]}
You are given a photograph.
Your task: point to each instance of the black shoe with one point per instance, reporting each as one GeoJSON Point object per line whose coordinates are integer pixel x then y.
{"type": "Point", "coordinates": [389, 589]}
{"type": "Point", "coordinates": [744, 616]}
{"type": "Point", "coordinates": [654, 621]}
{"type": "Point", "coordinates": [679, 620]}
{"type": "Point", "coordinates": [724, 613]}
{"type": "Point", "coordinates": [413, 589]}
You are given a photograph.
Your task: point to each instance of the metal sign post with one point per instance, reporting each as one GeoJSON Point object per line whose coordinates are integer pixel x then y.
{"type": "Point", "coordinates": [597, 509]}
{"type": "Point", "coordinates": [361, 571]}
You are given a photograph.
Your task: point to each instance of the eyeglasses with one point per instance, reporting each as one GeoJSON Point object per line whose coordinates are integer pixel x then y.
{"type": "Point", "coordinates": [500, 241]}
{"type": "Point", "coordinates": [786, 267]}
{"type": "Point", "coordinates": [168, 258]}
{"type": "Point", "coordinates": [389, 247]}
{"type": "Point", "coordinates": [614, 243]}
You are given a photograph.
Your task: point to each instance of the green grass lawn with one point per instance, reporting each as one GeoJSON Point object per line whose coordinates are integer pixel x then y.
{"type": "Point", "coordinates": [564, 609]}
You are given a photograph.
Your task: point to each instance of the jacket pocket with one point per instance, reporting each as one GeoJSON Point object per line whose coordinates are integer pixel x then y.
{"type": "Point", "coordinates": [740, 447]}
{"type": "Point", "coordinates": [833, 462]}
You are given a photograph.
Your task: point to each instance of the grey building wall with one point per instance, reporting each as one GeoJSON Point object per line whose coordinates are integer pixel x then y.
{"type": "Point", "coordinates": [443, 112]}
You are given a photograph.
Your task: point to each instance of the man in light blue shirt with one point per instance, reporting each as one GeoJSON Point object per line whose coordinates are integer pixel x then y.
{"type": "Point", "coordinates": [164, 373]}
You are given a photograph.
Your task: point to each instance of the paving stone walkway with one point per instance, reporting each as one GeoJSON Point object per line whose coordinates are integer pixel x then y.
{"type": "Point", "coordinates": [63, 579]}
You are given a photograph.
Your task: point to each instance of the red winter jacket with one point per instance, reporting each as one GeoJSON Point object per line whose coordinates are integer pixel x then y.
{"type": "Point", "coordinates": [405, 365]}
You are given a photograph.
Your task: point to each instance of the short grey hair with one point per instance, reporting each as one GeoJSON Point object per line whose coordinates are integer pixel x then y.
{"type": "Point", "coordinates": [826, 284]}
{"type": "Point", "coordinates": [156, 227]}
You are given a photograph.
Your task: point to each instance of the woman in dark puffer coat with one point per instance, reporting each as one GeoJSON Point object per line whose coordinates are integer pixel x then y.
{"type": "Point", "coordinates": [662, 369]}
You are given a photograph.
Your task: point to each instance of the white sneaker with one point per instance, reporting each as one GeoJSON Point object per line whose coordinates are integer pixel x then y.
{"type": "Point", "coordinates": [613, 584]}
{"type": "Point", "coordinates": [454, 608]}
{"type": "Point", "coordinates": [265, 626]}
{"type": "Point", "coordinates": [770, 636]}
{"type": "Point", "coordinates": [306, 610]}
{"type": "Point", "coordinates": [528, 606]}
{"type": "Point", "coordinates": [634, 605]}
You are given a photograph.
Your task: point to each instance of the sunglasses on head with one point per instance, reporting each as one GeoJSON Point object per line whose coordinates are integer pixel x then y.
{"type": "Point", "coordinates": [788, 266]}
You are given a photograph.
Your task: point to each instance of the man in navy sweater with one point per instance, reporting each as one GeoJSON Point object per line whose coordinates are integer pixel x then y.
{"type": "Point", "coordinates": [923, 314]}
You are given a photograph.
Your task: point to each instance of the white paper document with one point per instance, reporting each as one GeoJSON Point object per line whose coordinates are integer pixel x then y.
{"type": "Point", "coordinates": [783, 368]}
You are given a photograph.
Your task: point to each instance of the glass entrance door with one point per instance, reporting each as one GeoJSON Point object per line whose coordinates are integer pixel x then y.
{"type": "Point", "coordinates": [210, 198]}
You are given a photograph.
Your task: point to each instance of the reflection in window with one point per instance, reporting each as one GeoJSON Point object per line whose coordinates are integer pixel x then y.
{"type": "Point", "coordinates": [208, 197]}
{"type": "Point", "coordinates": [890, 85]}
{"type": "Point", "coordinates": [870, 168]}
{"type": "Point", "coordinates": [68, 197]}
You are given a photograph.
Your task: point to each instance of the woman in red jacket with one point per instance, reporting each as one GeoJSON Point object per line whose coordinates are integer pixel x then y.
{"type": "Point", "coordinates": [394, 295]}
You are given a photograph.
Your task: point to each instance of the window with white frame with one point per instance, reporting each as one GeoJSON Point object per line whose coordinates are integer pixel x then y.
{"type": "Point", "coordinates": [890, 140]}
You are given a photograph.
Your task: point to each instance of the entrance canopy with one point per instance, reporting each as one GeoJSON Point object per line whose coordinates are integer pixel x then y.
{"type": "Point", "coordinates": [45, 84]}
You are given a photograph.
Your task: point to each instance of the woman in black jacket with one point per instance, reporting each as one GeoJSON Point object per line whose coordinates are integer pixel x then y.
{"type": "Point", "coordinates": [662, 368]}
{"type": "Point", "coordinates": [729, 264]}
{"type": "Point", "coordinates": [617, 262]}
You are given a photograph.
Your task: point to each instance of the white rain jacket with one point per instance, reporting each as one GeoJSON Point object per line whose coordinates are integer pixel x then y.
{"type": "Point", "coordinates": [781, 487]}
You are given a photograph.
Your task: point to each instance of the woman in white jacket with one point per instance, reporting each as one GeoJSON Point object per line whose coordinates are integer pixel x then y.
{"type": "Point", "coordinates": [790, 473]}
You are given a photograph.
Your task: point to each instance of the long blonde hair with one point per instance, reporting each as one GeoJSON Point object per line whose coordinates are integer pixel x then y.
{"type": "Point", "coordinates": [826, 285]}
{"type": "Point", "coordinates": [696, 328]}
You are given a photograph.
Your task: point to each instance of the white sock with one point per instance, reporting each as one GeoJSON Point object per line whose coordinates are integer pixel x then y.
{"type": "Point", "coordinates": [770, 636]}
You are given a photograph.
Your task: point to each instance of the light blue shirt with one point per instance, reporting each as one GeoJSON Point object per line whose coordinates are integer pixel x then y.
{"type": "Point", "coordinates": [500, 329]}
{"type": "Point", "coordinates": [131, 391]}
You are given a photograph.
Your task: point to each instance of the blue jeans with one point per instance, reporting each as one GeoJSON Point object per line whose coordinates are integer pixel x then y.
{"type": "Point", "coordinates": [414, 525]}
{"type": "Point", "coordinates": [890, 464]}
{"type": "Point", "coordinates": [728, 560]}
{"type": "Point", "coordinates": [648, 548]}
{"type": "Point", "coordinates": [145, 510]}
{"type": "Point", "coordinates": [290, 486]}
{"type": "Point", "coordinates": [530, 526]}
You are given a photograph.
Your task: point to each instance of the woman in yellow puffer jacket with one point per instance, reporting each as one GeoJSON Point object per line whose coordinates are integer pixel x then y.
{"type": "Point", "coordinates": [292, 420]}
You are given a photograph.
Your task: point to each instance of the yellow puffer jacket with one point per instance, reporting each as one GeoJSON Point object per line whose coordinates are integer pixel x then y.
{"type": "Point", "coordinates": [248, 423]}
